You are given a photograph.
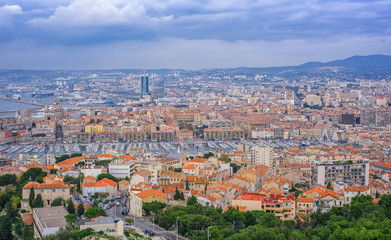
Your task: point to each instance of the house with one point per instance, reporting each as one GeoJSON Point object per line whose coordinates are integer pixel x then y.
{"type": "Point", "coordinates": [90, 179]}
{"type": "Point", "coordinates": [350, 192]}
{"type": "Point", "coordinates": [137, 198]}
{"type": "Point", "coordinates": [191, 169]}
{"type": "Point", "coordinates": [103, 186]}
{"type": "Point", "coordinates": [48, 191]}
{"type": "Point", "coordinates": [305, 206]}
{"type": "Point", "coordinates": [142, 176]}
{"type": "Point", "coordinates": [329, 199]}
{"type": "Point", "coordinates": [123, 185]}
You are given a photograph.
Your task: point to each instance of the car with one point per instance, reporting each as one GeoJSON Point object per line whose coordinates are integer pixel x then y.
{"type": "Point", "coordinates": [118, 203]}
{"type": "Point", "coordinates": [82, 217]}
{"type": "Point", "coordinates": [77, 218]}
{"type": "Point", "coordinates": [127, 227]}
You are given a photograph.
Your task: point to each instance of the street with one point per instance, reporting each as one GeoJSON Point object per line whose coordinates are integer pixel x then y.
{"type": "Point", "coordinates": [143, 224]}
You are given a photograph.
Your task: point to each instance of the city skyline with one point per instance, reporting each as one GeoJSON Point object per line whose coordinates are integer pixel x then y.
{"type": "Point", "coordinates": [190, 35]}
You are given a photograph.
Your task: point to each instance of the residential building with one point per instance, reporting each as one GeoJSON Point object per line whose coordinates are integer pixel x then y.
{"type": "Point", "coordinates": [48, 191]}
{"type": "Point", "coordinates": [261, 155]}
{"type": "Point", "coordinates": [223, 134]}
{"type": "Point", "coordinates": [347, 171]}
{"type": "Point", "coordinates": [120, 168]}
{"type": "Point", "coordinates": [103, 186]}
{"type": "Point", "coordinates": [106, 225]}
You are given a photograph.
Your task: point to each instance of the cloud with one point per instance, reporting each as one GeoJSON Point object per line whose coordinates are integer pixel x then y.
{"type": "Point", "coordinates": [7, 13]}
{"type": "Point", "coordinates": [85, 13]}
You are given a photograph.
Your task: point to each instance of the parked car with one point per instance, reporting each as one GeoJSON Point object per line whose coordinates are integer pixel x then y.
{"type": "Point", "coordinates": [82, 217]}
{"type": "Point", "coordinates": [118, 203]}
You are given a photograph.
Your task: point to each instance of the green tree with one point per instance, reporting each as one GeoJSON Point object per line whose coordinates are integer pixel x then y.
{"type": "Point", "coordinates": [15, 200]}
{"type": "Point", "coordinates": [56, 202]}
{"type": "Point", "coordinates": [8, 179]}
{"type": "Point", "coordinates": [329, 186]}
{"type": "Point", "coordinates": [208, 155]}
{"type": "Point", "coordinates": [38, 202]}
{"type": "Point", "coordinates": [192, 200]}
{"type": "Point", "coordinates": [80, 209]}
{"type": "Point", "coordinates": [32, 174]}
{"type": "Point", "coordinates": [5, 227]}
{"type": "Point", "coordinates": [153, 207]}
{"type": "Point", "coordinates": [71, 219]}
{"type": "Point", "coordinates": [177, 169]}
{"type": "Point", "coordinates": [71, 207]}
{"type": "Point", "coordinates": [93, 212]}
{"type": "Point", "coordinates": [76, 155]}
{"type": "Point", "coordinates": [178, 195]}
{"type": "Point", "coordinates": [53, 171]}
{"type": "Point", "coordinates": [225, 158]}
{"type": "Point", "coordinates": [235, 167]}
{"type": "Point", "coordinates": [62, 158]}
{"type": "Point", "coordinates": [69, 179]}
{"type": "Point", "coordinates": [107, 175]}
{"type": "Point", "coordinates": [31, 196]}
{"type": "Point", "coordinates": [187, 185]}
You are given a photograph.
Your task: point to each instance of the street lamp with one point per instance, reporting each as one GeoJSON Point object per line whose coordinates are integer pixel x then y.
{"type": "Point", "coordinates": [177, 228]}
{"type": "Point", "coordinates": [208, 232]}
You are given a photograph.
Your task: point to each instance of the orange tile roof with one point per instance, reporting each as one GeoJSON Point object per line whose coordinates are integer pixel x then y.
{"type": "Point", "coordinates": [376, 200]}
{"type": "Point", "coordinates": [356, 188]}
{"type": "Point", "coordinates": [191, 166]}
{"type": "Point", "coordinates": [311, 200]}
{"type": "Point", "coordinates": [328, 192]}
{"type": "Point", "coordinates": [199, 160]}
{"type": "Point", "coordinates": [108, 181]}
{"type": "Point", "coordinates": [150, 192]}
{"type": "Point", "coordinates": [313, 190]}
{"type": "Point", "coordinates": [106, 155]}
{"type": "Point", "coordinates": [71, 161]}
{"type": "Point", "coordinates": [54, 185]}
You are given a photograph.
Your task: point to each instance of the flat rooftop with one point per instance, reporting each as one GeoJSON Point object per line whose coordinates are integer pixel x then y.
{"type": "Point", "coordinates": [50, 217]}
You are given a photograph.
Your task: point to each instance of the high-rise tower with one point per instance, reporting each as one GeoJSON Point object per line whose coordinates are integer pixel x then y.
{"type": "Point", "coordinates": [144, 85]}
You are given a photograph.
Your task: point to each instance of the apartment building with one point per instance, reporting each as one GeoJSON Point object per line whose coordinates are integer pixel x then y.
{"type": "Point", "coordinates": [135, 136]}
{"type": "Point", "coordinates": [355, 172]}
{"type": "Point", "coordinates": [107, 137]}
{"type": "Point", "coordinates": [159, 136]}
{"type": "Point", "coordinates": [261, 155]}
{"type": "Point", "coordinates": [223, 134]}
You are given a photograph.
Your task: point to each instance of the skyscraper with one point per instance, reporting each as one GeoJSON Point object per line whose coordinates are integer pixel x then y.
{"type": "Point", "coordinates": [144, 85]}
{"type": "Point", "coordinates": [157, 88]}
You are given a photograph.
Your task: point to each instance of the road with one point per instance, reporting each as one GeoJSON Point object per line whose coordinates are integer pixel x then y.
{"type": "Point", "coordinates": [143, 224]}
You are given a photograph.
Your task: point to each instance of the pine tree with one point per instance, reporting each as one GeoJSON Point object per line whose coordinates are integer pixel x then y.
{"type": "Point", "coordinates": [80, 209]}
{"type": "Point", "coordinates": [38, 202]}
{"type": "Point", "coordinates": [31, 196]}
{"type": "Point", "coordinates": [71, 207]}
{"type": "Point", "coordinates": [187, 185]}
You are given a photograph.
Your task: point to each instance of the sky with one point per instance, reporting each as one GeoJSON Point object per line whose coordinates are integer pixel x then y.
{"type": "Point", "coordinates": [188, 34]}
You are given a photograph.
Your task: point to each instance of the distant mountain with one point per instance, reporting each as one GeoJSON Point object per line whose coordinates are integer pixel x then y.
{"type": "Point", "coordinates": [355, 62]}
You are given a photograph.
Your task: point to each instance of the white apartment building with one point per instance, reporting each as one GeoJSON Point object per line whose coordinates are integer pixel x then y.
{"type": "Point", "coordinates": [261, 155]}
{"type": "Point", "coordinates": [121, 168]}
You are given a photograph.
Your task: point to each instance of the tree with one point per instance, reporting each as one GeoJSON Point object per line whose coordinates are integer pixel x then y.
{"type": "Point", "coordinates": [177, 169]}
{"type": "Point", "coordinates": [70, 219]}
{"type": "Point", "coordinates": [154, 207]}
{"type": "Point", "coordinates": [56, 202]}
{"type": "Point", "coordinates": [208, 155]}
{"type": "Point", "coordinates": [187, 185]}
{"type": "Point", "coordinates": [32, 175]}
{"type": "Point", "coordinates": [192, 200]}
{"type": "Point", "coordinates": [225, 158]}
{"type": "Point", "coordinates": [178, 195]}
{"type": "Point", "coordinates": [71, 207]}
{"type": "Point", "coordinates": [107, 175]}
{"type": "Point", "coordinates": [80, 209]}
{"type": "Point", "coordinates": [38, 202]}
{"type": "Point", "coordinates": [76, 155]}
{"type": "Point", "coordinates": [31, 196]}
{"type": "Point", "coordinates": [62, 158]}
{"type": "Point", "coordinates": [6, 227]}
{"type": "Point", "coordinates": [93, 212]}
{"type": "Point", "coordinates": [8, 179]}
{"type": "Point", "coordinates": [235, 167]}
{"type": "Point", "coordinates": [329, 186]}
{"type": "Point", "coordinates": [78, 187]}
{"type": "Point", "coordinates": [53, 171]}
{"type": "Point", "coordinates": [15, 200]}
